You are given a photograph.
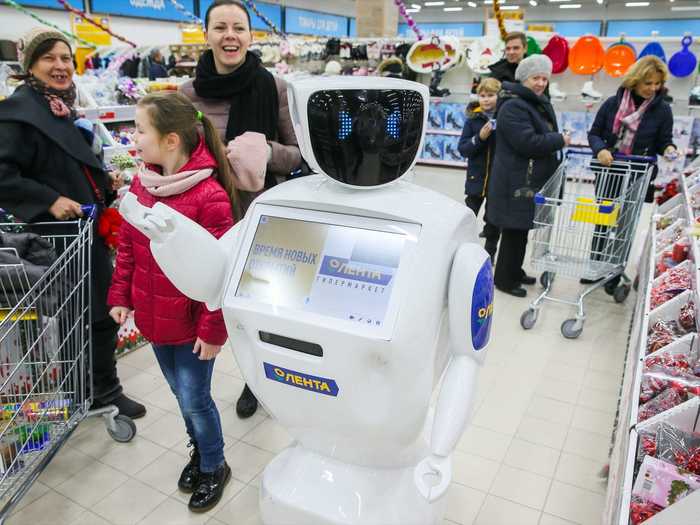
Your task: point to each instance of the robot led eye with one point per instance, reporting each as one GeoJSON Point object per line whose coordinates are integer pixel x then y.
{"type": "Point", "coordinates": [393, 125]}
{"type": "Point", "coordinates": [345, 125]}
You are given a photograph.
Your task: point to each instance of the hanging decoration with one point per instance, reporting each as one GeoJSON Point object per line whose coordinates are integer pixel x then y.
{"type": "Point", "coordinates": [71, 36]}
{"type": "Point", "coordinates": [409, 20]}
{"type": "Point", "coordinates": [533, 48]}
{"type": "Point", "coordinates": [557, 49]}
{"type": "Point", "coordinates": [683, 62]}
{"type": "Point", "coordinates": [654, 48]}
{"type": "Point", "coordinates": [619, 58]}
{"type": "Point", "coordinates": [84, 16]}
{"type": "Point", "coordinates": [587, 56]}
{"type": "Point", "coordinates": [483, 52]}
{"type": "Point", "coordinates": [440, 53]}
{"type": "Point", "coordinates": [269, 23]}
{"type": "Point", "coordinates": [194, 18]}
{"type": "Point", "coordinates": [499, 18]}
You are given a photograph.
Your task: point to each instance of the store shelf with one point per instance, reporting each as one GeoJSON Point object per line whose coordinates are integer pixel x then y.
{"type": "Point", "coordinates": [624, 452]}
{"type": "Point", "coordinates": [437, 162]}
{"type": "Point", "coordinates": [454, 133]}
{"type": "Point", "coordinates": [109, 114]}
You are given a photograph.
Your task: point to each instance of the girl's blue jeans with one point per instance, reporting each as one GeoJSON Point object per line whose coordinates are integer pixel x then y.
{"type": "Point", "coordinates": [190, 380]}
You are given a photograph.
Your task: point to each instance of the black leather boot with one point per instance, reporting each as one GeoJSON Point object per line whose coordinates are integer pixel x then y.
{"type": "Point", "coordinates": [190, 474]}
{"type": "Point", "coordinates": [209, 489]}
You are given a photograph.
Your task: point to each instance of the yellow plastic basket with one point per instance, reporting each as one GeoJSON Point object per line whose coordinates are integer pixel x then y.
{"type": "Point", "coordinates": [602, 214]}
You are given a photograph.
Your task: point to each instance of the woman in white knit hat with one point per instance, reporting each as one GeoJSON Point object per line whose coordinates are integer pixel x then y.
{"type": "Point", "coordinates": [528, 143]}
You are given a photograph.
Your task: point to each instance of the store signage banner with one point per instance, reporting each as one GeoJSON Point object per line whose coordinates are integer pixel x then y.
{"type": "Point", "coordinates": [91, 32]}
{"type": "Point", "coordinates": [314, 23]}
{"type": "Point", "coordinates": [157, 9]}
{"type": "Point", "coordinates": [444, 29]}
{"type": "Point", "coordinates": [271, 11]}
{"type": "Point", "coordinates": [51, 4]}
{"type": "Point", "coordinates": [353, 27]}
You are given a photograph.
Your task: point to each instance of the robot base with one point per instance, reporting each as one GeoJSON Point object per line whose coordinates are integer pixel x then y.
{"type": "Point", "coordinates": [300, 487]}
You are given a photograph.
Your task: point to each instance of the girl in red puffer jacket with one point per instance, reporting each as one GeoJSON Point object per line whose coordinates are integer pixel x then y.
{"type": "Point", "coordinates": [185, 168]}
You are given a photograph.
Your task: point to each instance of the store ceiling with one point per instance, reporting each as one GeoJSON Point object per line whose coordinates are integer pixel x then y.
{"type": "Point", "coordinates": [663, 4]}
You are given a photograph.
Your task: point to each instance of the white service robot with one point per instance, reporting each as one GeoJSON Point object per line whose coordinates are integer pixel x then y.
{"type": "Point", "coordinates": [348, 297]}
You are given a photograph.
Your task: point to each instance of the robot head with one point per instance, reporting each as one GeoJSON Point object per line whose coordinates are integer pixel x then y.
{"type": "Point", "coordinates": [360, 131]}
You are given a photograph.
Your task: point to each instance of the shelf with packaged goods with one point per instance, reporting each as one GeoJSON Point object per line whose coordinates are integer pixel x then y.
{"type": "Point", "coordinates": [676, 214]}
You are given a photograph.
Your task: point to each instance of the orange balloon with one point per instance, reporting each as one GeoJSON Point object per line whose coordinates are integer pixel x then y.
{"type": "Point", "coordinates": [587, 56]}
{"type": "Point", "coordinates": [618, 59]}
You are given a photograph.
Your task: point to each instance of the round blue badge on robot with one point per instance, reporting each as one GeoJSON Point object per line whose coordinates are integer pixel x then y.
{"type": "Point", "coordinates": [482, 306]}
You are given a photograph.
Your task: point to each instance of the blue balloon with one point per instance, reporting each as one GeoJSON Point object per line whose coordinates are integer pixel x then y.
{"type": "Point", "coordinates": [653, 49]}
{"type": "Point", "coordinates": [683, 62]}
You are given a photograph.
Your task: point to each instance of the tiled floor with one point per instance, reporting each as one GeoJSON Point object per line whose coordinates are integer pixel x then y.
{"type": "Point", "coordinates": [540, 432]}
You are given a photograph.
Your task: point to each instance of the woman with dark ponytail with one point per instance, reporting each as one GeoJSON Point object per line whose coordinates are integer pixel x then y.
{"type": "Point", "coordinates": [248, 106]}
{"type": "Point", "coordinates": [185, 167]}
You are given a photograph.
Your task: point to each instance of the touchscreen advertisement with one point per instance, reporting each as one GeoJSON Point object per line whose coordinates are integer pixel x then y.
{"type": "Point", "coordinates": [337, 271]}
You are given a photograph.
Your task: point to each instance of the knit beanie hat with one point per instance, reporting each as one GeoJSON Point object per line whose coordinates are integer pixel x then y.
{"type": "Point", "coordinates": [534, 65]}
{"type": "Point", "coordinates": [28, 44]}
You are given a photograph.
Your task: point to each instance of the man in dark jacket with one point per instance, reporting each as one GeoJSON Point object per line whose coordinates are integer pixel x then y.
{"type": "Point", "coordinates": [516, 46]}
{"type": "Point", "coordinates": [47, 170]}
{"type": "Point", "coordinates": [528, 143]}
{"type": "Point", "coordinates": [477, 145]}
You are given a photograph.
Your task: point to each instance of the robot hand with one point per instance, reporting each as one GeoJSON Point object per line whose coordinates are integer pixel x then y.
{"type": "Point", "coordinates": [154, 222]}
{"type": "Point", "coordinates": [433, 476]}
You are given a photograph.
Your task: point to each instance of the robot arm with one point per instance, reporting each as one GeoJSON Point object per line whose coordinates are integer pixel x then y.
{"type": "Point", "coordinates": [470, 308]}
{"type": "Point", "coordinates": [193, 259]}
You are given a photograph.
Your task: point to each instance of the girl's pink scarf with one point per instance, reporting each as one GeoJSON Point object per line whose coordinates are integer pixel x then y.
{"type": "Point", "coordinates": [627, 121]}
{"type": "Point", "coordinates": [169, 185]}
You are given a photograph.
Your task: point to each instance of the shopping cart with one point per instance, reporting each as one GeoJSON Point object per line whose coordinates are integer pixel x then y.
{"type": "Point", "coordinates": [45, 355]}
{"type": "Point", "coordinates": [584, 226]}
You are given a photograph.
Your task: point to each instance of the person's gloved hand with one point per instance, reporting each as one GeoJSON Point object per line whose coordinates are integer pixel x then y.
{"type": "Point", "coordinates": [249, 154]}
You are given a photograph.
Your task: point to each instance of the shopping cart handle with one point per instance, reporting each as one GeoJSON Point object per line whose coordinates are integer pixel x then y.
{"type": "Point", "coordinates": [634, 158]}
{"type": "Point", "coordinates": [89, 211]}
{"type": "Point", "coordinates": [539, 199]}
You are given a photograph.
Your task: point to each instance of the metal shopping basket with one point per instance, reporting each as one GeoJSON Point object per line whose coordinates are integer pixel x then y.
{"type": "Point", "coordinates": [584, 226]}
{"type": "Point", "coordinates": [45, 355]}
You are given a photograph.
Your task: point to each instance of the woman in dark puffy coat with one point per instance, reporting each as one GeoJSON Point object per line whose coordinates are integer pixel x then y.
{"type": "Point", "coordinates": [635, 121]}
{"type": "Point", "coordinates": [527, 155]}
{"type": "Point", "coordinates": [49, 166]}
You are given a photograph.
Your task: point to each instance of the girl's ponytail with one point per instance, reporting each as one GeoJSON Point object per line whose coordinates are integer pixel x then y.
{"type": "Point", "coordinates": [225, 176]}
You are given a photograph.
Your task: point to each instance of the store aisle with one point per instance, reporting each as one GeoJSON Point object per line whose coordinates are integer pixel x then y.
{"type": "Point", "coordinates": [540, 432]}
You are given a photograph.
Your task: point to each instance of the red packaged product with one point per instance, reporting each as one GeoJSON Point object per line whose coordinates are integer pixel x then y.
{"type": "Point", "coordinates": [666, 400]}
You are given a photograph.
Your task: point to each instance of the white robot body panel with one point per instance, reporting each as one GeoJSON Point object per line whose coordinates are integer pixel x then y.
{"type": "Point", "coordinates": [345, 416]}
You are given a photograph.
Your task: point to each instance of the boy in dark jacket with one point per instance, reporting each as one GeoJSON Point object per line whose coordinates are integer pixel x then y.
{"type": "Point", "coordinates": [477, 145]}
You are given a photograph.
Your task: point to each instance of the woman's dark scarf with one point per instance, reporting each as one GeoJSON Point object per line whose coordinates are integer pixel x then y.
{"type": "Point", "coordinates": [61, 102]}
{"type": "Point", "coordinates": [250, 89]}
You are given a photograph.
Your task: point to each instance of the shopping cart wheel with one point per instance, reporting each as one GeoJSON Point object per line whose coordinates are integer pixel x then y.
{"type": "Point", "coordinates": [528, 319]}
{"type": "Point", "coordinates": [621, 293]}
{"type": "Point", "coordinates": [636, 284]}
{"type": "Point", "coordinates": [546, 279]}
{"type": "Point", "coordinates": [124, 429]}
{"type": "Point", "coordinates": [571, 328]}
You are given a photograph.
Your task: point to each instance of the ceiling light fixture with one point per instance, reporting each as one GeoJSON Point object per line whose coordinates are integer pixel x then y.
{"type": "Point", "coordinates": [637, 4]}
{"type": "Point", "coordinates": [431, 4]}
{"type": "Point", "coordinates": [533, 3]}
{"type": "Point", "coordinates": [471, 4]}
{"type": "Point", "coordinates": [570, 6]}
{"type": "Point", "coordinates": [452, 9]}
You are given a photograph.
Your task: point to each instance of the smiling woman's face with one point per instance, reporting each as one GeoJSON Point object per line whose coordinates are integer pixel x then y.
{"type": "Point", "coordinates": [229, 36]}
{"type": "Point", "coordinates": [55, 67]}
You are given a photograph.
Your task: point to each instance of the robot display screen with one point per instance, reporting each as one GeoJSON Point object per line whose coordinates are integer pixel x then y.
{"type": "Point", "coordinates": [365, 137]}
{"type": "Point", "coordinates": [336, 271]}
